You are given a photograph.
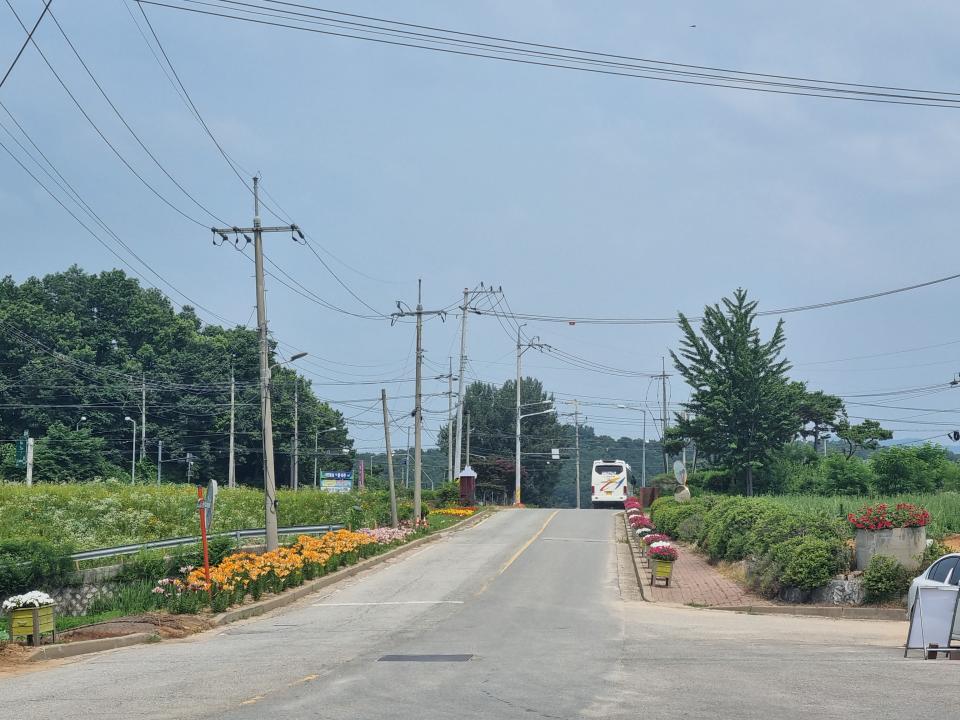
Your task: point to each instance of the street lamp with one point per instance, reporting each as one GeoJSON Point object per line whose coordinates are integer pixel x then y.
{"type": "Point", "coordinates": [643, 469]}
{"type": "Point", "coordinates": [83, 418]}
{"type": "Point", "coordinates": [133, 452]}
{"type": "Point", "coordinates": [520, 416]}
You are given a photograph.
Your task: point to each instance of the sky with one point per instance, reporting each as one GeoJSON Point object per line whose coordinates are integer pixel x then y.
{"type": "Point", "coordinates": [579, 194]}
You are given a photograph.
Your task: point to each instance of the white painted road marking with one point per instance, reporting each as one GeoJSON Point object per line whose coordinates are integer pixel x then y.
{"type": "Point", "coordinates": [391, 602]}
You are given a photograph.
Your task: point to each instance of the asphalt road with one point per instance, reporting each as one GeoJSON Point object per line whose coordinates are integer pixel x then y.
{"type": "Point", "coordinates": [552, 630]}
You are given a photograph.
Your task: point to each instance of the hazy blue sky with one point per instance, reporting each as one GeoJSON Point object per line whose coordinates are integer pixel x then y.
{"type": "Point", "coordinates": [579, 194]}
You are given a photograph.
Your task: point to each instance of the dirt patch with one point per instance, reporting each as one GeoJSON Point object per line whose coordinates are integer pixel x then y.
{"type": "Point", "coordinates": [161, 624]}
{"type": "Point", "coordinates": [952, 542]}
{"type": "Point", "coordinates": [12, 655]}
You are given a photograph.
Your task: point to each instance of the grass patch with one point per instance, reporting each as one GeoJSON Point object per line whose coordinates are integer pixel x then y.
{"type": "Point", "coordinates": [944, 507]}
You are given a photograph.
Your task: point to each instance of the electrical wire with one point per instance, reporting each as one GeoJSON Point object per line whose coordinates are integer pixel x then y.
{"type": "Point", "coordinates": [26, 42]}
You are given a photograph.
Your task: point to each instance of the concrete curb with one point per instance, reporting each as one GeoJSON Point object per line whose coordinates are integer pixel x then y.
{"type": "Point", "coordinates": [82, 647]}
{"type": "Point", "coordinates": [291, 596]}
{"type": "Point", "coordinates": [634, 552]}
{"type": "Point", "coordinates": [833, 611]}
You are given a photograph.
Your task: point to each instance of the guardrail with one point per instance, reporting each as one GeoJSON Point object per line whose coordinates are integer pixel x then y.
{"type": "Point", "coordinates": [177, 542]}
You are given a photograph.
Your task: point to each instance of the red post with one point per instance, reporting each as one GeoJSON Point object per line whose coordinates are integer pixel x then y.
{"type": "Point", "coordinates": [203, 537]}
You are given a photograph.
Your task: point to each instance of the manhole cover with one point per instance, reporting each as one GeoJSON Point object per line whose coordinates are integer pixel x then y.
{"type": "Point", "coordinates": [425, 658]}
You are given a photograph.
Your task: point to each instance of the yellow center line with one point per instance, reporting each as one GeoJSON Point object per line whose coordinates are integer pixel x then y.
{"type": "Point", "coordinates": [528, 543]}
{"type": "Point", "coordinates": [254, 699]}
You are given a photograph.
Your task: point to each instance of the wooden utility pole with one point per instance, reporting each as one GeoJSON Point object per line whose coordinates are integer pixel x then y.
{"type": "Point", "coordinates": [266, 411]}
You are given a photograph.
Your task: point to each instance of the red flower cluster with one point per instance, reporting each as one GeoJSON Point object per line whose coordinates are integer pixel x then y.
{"type": "Point", "coordinates": [655, 537]}
{"type": "Point", "coordinates": [639, 521]}
{"type": "Point", "coordinates": [663, 552]}
{"type": "Point", "coordinates": [631, 502]}
{"type": "Point", "coordinates": [881, 517]}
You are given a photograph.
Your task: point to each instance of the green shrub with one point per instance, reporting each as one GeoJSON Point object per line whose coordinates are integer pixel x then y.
{"type": "Point", "coordinates": [725, 533]}
{"type": "Point", "coordinates": [145, 566]}
{"type": "Point", "coordinates": [128, 599]}
{"type": "Point", "coordinates": [711, 481]}
{"type": "Point", "coordinates": [32, 565]}
{"type": "Point", "coordinates": [808, 562]}
{"type": "Point", "coordinates": [885, 579]}
{"type": "Point", "coordinates": [669, 516]}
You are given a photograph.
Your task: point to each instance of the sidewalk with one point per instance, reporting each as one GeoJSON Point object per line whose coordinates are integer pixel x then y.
{"type": "Point", "coordinates": [694, 582]}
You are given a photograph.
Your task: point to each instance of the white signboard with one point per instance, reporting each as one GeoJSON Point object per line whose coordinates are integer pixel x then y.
{"type": "Point", "coordinates": [932, 621]}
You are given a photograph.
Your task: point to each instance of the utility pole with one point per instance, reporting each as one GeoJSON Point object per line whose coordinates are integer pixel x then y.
{"type": "Point", "coordinates": [269, 479]}
{"type": "Point", "coordinates": [295, 478]}
{"type": "Point", "coordinates": [450, 471]}
{"type": "Point", "coordinates": [576, 422]}
{"type": "Point", "coordinates": [417, 408]}
{"type": "Point", "coordinates": [406, 462]}
{"type": "Point", "coordinates": [143, 415]}
{"type": "Point", "coordinates": [394, 520]}
{"type": "Point", "coordinates": [465, 310]}
{"type": "Point", "coordinates": [664, 415]}
{"type": "Point", "coordinates": [159, 459]}
{"type": "Point", "coordinates": [316, 447]}
{"type": "Point", "coordinates": [468, 437]}
{"type": "Point", "coordinates": [30, 461]}
{"type": "Point", "coordinates": [232, 469]}
{"type": "Point", "coordinates": [521, 349]}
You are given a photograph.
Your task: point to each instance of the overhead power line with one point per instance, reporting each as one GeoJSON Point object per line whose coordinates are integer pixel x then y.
{"type": "Point", "coordinates": [310, 18]}
{"type": "Point", "coordinates": [582, 320]}
{"type": "Point", "coordinates": [25, 42]}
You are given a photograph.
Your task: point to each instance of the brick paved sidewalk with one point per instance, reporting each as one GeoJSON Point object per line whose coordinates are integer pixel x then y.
{"type": "Point", "coordinates": [694, 582]}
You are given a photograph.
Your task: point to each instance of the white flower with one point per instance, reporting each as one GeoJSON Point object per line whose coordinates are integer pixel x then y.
{"type": "Point", "coordinates": [34, 598]}
{"type": "Point", "coordinates": [661, 543]}
{"type": "Point", "coordinates": [644, 531]}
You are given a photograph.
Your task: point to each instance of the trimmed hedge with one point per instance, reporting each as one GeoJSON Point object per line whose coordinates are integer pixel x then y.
{"type": "Point", "coordinates": [787, 547]}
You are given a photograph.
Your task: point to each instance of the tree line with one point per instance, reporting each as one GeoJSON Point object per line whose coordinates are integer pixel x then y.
{"type": "Point", "coordinates": [77, 352]}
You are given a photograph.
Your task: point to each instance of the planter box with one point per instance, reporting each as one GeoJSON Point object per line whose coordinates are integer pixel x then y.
{"type": "Point", "coordinates": [32, 623]}
{"type": "Point", "coordinates": [660, 570]}
{"type": "Point", "coordinates": [905, 544]}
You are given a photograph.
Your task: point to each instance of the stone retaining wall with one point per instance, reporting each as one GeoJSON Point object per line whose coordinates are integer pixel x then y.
{"type": "Point", "coordinates": [86, 585]}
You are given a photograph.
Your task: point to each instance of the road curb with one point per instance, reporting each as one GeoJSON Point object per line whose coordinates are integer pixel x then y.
{"type": "Point", "coordinates": [291, 596]}
{"type": "Point", "coordinates": [82, 647]}
{"type": "Point", "coordinates": [634, 553]}
{"type": "Point", "coordinates": [833, 611]}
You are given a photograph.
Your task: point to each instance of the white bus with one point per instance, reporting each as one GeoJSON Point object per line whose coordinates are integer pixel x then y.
{"type": "Point", "coordinates": [609, 483]}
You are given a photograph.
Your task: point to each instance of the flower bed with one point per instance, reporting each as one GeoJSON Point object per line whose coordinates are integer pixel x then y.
{"type": "Point", "coordinates": [662, 550]}
{"type": "Point", "coordinates": [881, 517]}
{"type": "Point", "coordinates": [463, 512]}
{"type": "Point", "coordinates": [245, 573]}
{"type": "Point", "coordinates": [655, 537]}
{"type": "Point", "coordinates": [640, 521]}
{"type": "Point", "coordinates": [33, 599]}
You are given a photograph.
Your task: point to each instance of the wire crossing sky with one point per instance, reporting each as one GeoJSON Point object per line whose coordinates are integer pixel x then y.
{"type": "Point", "coordinates": [776, 149]}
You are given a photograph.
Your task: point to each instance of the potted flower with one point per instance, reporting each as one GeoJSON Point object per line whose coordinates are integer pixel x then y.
{"type": "Point", "coordinates": [898, 531]}
{"type": "Point", "coordinates": [662, 555]}
{"type": "Point", "coordinates": [638, 521]}
{"type": "Point", "coordinates": [30, 616]}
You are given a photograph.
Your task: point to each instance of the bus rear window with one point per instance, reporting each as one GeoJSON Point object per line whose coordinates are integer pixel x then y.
{"type": "Point", "coordinates": [608, 469]}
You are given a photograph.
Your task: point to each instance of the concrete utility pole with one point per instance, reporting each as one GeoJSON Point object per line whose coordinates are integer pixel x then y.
{"type": "Point", "coordinates": [522, 347]}
{"type": "Point", "coordinates": [269, 479]}
{"type": "Point", "coordinates": [316, 447]}
{"type": "Point", "coordinates": [417, 408]}
{"type": "Point", "coordinates": [406, 462]}
{"type": "Point", "coordinates": [159, 459]}
{"type": "Point", "coordinates": [450, 471]}
{"type": "Point", "coordinates": [232, 469]}
{"type": "Point", "coordinates": [30, 461]}
{"type": "Point", "coordinates": [143, 415]}
{"type": "Point", "coordinates": [394, 520]}
{"type": "Point", "coordinates": [576, 422]}
{"type": "Point", "coordinates": [133, 451]}
{"type": "Point", "coordinates": [468, 437]}
{"type": "Point", "coordinates": [665, 415]}
{"type": "Point", "coordinates": [465, 310]}
{"type": "Point", "coordinates": [295, 478]}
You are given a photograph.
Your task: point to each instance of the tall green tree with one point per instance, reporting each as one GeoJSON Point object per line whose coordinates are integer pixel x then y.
{"type": "Point", "coordinates": [819, 412]}
{"type": "Point", "coordinates": [493, 422]}
{"type": "Point", "coordinates": [741, 406]}
{"type": "Point", "coordinates": [861, 436]}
